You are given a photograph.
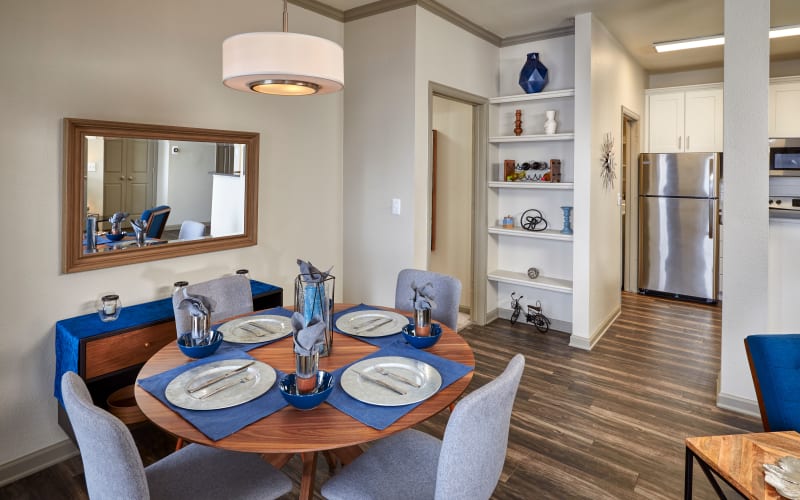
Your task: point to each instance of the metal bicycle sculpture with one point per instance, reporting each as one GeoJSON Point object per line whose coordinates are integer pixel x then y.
{"type": "Point", "coordinates": [534, 315]}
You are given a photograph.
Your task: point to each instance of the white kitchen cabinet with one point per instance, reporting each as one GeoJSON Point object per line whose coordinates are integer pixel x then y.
{"type": "Point", "coordinates": [512, 251]}
{"type": "Point", "coordinates": [784, 107]}
{"type": "Point", "coordinates": [685, 119]}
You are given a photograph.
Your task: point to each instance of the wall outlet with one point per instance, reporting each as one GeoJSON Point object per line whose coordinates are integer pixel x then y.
{"type": "Point", "coordinates": [395, 206]}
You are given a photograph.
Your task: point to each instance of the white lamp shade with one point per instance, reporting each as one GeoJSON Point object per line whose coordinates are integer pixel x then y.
{"type": "Point", "coordinates": [248, 58]}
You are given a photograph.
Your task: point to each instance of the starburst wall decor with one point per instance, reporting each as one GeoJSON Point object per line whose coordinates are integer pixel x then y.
{"type": "Point", "coordinates": [607, 172]}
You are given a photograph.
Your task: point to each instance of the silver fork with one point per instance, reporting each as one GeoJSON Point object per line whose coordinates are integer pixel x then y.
{"type": "Point", "coordinates": [228, 386]}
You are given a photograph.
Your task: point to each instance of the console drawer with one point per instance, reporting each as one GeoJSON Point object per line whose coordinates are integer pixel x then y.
{"type": "Point", "coordinates": [117, 352]}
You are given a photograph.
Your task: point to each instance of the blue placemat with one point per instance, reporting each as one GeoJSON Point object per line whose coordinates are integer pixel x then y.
{"type": "Point", "coordinates": [217, 424]}
{"type": "Point", "coordinates": [229, 346]}
{"type": "Point", "coordinates": [376, 341]}
{"type": "Point", "coordinates": [381, 417]}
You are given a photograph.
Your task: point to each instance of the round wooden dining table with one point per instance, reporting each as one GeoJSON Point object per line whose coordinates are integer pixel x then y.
{"type": "Point", "coordinates": [290, 431]}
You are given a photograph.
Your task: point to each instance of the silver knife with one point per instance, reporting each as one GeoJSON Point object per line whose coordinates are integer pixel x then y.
{"type": "Point", "coordinates": [380, 383]}
{"type": "Point", "coordinates": [228, 386]}
{"type": "Point", "coordinates": [225, 375]}
{"type": "Point", "coordinates": [367, 323]}
{"type": "Point", "coordinates": [396, 376]}
{"type": "Point", "coordinates": [262, 328]}
{"type": "Point", "coordinates": [378, 325]}
{"type": "Point", "coordinates": [246, 327]}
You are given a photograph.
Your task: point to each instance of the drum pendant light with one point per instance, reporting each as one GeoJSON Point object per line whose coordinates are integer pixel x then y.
{"type": "Point", "coordinates": [282, 63]}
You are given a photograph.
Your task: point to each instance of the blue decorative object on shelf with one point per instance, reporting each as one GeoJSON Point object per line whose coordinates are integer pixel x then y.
{"type": "Point", "coordinates": [567, 229]}
{"type": "Point", "coordinates": [533, 76]}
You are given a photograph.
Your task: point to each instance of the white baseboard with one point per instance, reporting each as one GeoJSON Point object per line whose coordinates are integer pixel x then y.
{"type": "Point", "coordinates": [739, 405]}
{"type": "Point", "coordinates": [555, 324]}
{"type": "Point", "coordinates": [36, 461]}
{"type": "Point", "coordinates": [587, 344]}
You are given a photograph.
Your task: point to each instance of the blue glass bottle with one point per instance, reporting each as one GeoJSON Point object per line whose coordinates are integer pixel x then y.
{"type": "Point", "coordinates": [533, 76]}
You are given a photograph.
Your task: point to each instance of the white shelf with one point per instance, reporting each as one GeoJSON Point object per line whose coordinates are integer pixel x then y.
{"type": "Point", "coordinates": [542, 282]}
{"type": "Point", "coordinates": [548, 234]}
{"type": "Point", "coordinates": [553, 94]}
{"type": "Point", "coordinates": [533, 185]}
{"type": "Point", "coordinates": [532, 138]}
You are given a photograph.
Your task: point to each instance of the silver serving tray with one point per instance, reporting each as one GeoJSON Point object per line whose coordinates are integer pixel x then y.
{"type": "Point", "coordinates": [255, 329]}
{"type": "Point", "coordinates": [244, 386]}
{"type": "Point", "coordinates": [784, 477]}
{"type": "Point", "coordinates": [427, 377]}
{"type": "Point", "coordinates": [371, 323]}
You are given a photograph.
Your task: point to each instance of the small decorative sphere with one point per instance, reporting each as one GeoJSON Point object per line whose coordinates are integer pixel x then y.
{"type": "Point", "coordinates": [533, 273]}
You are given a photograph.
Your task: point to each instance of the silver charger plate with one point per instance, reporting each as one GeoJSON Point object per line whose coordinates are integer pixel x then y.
{"type": "Point", "coordinates": [427, 377]}
{"type": "Point", "coordinates": [242, 387]}
{"type": "Point", "coordinates": [255, 329]}
{"type": "Point", "coordinates": [371, 323]}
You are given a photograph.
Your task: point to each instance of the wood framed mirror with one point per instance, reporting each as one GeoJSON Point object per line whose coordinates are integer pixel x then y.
{"type": "Point", "coordinates": [178, 178]}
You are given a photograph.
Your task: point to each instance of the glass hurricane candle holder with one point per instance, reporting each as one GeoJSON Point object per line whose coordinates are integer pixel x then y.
{"type": "Point", "coordinates": [109, 307]}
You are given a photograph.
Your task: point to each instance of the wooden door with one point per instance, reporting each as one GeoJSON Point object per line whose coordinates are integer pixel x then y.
{"type": "Point", "coordinates": [113, 177]}
{"type": "Point", "coordinates": [138, 176]}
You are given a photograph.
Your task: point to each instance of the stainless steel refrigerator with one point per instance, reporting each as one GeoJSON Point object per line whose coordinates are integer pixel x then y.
{"type": "Point", "coordinates": [679, 224]}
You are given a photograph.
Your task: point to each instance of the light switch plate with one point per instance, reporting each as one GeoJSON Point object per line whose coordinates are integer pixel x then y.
{"type": "Point", "coordinates": [395, 206]}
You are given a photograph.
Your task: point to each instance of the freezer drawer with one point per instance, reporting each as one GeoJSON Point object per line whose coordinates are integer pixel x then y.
{"type": "Point", "coordinates": [678, 246]}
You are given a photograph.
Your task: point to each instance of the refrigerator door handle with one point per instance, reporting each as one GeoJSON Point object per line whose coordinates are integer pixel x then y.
{"type": "Point", "coordinates": [711, 191]}
{"type": "Point", "coordinates": [710, 218]}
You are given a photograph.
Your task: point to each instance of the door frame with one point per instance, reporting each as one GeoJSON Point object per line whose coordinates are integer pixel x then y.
{"type": "Point", "coordinates": [480, 186]}
{"type": "Point", "coordinates": [631, 249]}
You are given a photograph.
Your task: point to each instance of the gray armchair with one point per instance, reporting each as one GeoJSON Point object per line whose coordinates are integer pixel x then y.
{"type": "Point", "coordinates": [231, 296]}
{"type": "Point", "coordinates": [466, 464]}
{"type": "Point", "coordinates": [446, 293]}
{"type": "Point", "coordinates": [113, 468]}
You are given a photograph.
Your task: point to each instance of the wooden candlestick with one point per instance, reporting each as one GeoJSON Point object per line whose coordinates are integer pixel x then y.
{"type": "Point", "coordinates": [518, 122]}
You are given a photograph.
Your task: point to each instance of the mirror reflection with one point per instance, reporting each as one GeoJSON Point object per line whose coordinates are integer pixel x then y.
{"type": "Point", "coordinates": [137, 192]}
{"type": "Point", "coordinates": [182, 190]}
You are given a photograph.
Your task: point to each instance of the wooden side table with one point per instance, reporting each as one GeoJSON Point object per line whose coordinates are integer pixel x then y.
{"type": "Point", "coordinates": [738, 459]}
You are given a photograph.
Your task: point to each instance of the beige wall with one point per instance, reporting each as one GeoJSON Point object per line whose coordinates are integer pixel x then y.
{"type": "Point", "coordinates": [152, 61]}
{"type": "Point", "coordinates": [453, 122]}
{"type": "Point", "coordinates": [614, 80]}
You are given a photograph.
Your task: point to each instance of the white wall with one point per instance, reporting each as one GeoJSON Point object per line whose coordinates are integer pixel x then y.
{"type": "Point", "coordinates": [453, 122]}
{"type": "Point", "coordinates": [157, 61]}
{"type": "Point", "coordinates": [378, 153]}
{"type": "Point", "coordinates": [94, 178]}
{"type": "Point", "coordinates": [190, 182]}
{"type": "Point", "coordinates": [746, 242]}
{"type": "Point", "coordinates": [611, 80]}
{"type": "Point", "coordinates": [227, 205]}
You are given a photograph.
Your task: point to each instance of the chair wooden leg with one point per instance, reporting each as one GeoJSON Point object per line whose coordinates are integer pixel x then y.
{"type": "Point", "coordinates": [452, 407]}
{"type": "Point", "coordinates": [179, 444]}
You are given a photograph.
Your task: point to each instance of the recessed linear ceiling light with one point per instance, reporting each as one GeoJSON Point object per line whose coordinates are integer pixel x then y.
{"type": "Point", "coordinates": [711, 41]}
{"type": "Point", "coordinates": [282, 63]}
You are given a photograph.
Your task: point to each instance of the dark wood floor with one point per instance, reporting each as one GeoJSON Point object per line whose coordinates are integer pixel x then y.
{"type": "Point", "coordinates": [602, 424]}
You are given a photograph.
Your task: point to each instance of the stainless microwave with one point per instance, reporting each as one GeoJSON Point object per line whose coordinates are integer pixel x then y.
{"type": "Point", "coordinates": [784, 156]}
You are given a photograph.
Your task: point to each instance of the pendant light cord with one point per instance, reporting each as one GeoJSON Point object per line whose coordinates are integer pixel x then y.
{"type": "Point", "coordinates": [285, 16]}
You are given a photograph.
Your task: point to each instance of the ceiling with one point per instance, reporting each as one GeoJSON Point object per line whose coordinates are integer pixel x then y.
{"type": "Point", "coordinates": [637, 24]}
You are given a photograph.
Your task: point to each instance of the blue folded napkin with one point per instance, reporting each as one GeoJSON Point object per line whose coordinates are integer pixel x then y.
{"type": "Point", "coordinates": [376, 341]}
{"type": "Point", "coordinates": [237, 346]}
{"type": "Point", "coordinates": [381, 417]}
{"type": "Point", "coordinates": [217, 424]}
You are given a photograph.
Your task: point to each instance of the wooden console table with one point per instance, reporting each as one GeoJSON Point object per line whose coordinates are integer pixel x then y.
{"type": "Point", "coordinates": [108, 356]}
{"type": "Point", "coordinates": [738, 460]}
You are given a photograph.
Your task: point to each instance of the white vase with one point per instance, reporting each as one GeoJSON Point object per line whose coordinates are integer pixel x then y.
{"type": "Point", "coordinates": [551, 124]}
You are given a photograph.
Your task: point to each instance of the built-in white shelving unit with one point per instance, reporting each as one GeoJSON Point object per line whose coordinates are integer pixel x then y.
{"type": "Point", "coordinates": [512, 251]}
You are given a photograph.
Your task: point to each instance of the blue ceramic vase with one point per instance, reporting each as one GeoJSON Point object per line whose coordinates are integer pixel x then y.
{"type": "Point", "coordinates": [533, 76]}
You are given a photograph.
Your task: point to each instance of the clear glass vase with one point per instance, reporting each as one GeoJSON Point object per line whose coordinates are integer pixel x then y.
{"type": "Point", "coordinates": [315, 298]}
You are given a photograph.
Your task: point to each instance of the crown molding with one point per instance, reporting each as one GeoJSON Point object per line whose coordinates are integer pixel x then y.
{"type": "Point", "coordinates": [375, 8]}
{"type": "Point", "coordinates": [320, 8]}
{"type": "Point", "coordinates": [539, 35]}
{"type": "Point", "coordinates": [381, 6]}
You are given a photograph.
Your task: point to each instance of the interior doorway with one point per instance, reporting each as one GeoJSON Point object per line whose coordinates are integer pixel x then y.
{"type": "Point", "coordinates": [452, 159]}
{"type": "Point", "coordinates": [628, 199]}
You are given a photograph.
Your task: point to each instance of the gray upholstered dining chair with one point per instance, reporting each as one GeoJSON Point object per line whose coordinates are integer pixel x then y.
{"type": "Point", "coordinates": [465, 465]}
{"type": "Point", "coordinates": [191, 230]}
{"type": "Point", "coordinates": [113, 468]}
{"type": "Point", "coordinates": [231, 296]}
{"type": "Point", "coordinates": [446, 293]}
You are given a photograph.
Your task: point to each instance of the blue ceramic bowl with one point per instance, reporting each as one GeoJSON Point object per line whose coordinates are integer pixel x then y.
{"type": "Point", "coordinates": [115, 237]}
{"type": "Point", "coordinates": [422, 342]}
{"type": "Point", "coordinates": [202, 351]}
{"type": "Point", "coordinates": [288, 387]}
